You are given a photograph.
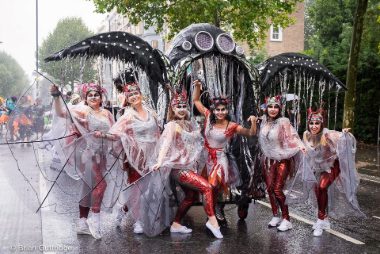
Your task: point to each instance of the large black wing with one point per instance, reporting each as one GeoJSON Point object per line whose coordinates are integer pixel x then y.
{"type": "Point", "coordinates": [118, 45]}
{"type": "Point", "coordinates": [294, 62]}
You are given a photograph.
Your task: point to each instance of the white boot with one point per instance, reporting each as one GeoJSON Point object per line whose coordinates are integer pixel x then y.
{"type": "Point", "coordinates": [94, 225]}
{"type": "Point", "coordinates": [325, 224]}
{"type": "Point", "coordinates": [274, 222]}
{"type": "Point", "coordinates": [138, 227]}
{"type": "Point", "coordinates": [82, 227]}
{"type": "Point", "coordinates": [285, 225]}
{"type": "Point", "coordinates": [119, 217]}
{"type": "Point", "coordinates": [321, 225]}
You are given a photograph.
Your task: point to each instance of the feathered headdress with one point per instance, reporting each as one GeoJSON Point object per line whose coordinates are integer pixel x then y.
{"type": "Point", "coordinates": [87, 87]}
{"type": "Point", "coordinates": [316, 113]}
{"type": "Point", "coordinates": [131, 87]}
{"type": "Point", "coordinates": [127, 81]}
{"type": "Point", "coordinates": [219, 101]}
{"type": "Point", "coordinates": [179, 98]}
{"type": "Point", "coordinates": [315, 116]}
{"type": "Point", "coordinates": [275, 100]}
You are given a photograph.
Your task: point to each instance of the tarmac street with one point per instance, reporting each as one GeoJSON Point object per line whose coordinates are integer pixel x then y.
{"type": "Point", "coordinates": [54, 231]}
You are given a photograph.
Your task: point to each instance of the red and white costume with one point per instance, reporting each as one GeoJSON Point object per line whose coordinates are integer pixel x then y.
{"type": "Point", "coordinates": [279, 143]}
{"type": "Point", "coordinates": [221, 171]}
{"type": "Point", "coordinates": [329, 174]}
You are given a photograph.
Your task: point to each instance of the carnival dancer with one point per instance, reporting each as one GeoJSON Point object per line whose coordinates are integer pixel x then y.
{"type": "Point", "coordinates": [222, 172]}
{"type": "Point", "coordinates": [3, 114]}
{"type": "Point", "coordinates": [24, 118]}
{"type": "Point", "coordinates": [329, 170]}
{"type": "Point", "coordinates": [91, 123]}
{"type": "Point", "coordinates": [138, 130]}
{"type": "Point", "coordinates": [279, 143]}
{"type": "Point", "coordinates": [10, 106]}
{"type": "Point", "coordinates": [180, 148]}
{"type": "Point", "coordinates": [38, 117]}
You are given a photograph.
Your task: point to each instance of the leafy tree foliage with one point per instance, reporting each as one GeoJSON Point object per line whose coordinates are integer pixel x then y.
{"type": "Point", "coordinates": [67, 32]}
{"type": "Point", "coordinates": [332, 24]}
{"type": "Point", "coordinates": [258, 57]}
{"type": "Point", "coordinates": [13, 79]}
{"type": "Point", "coordinates": [249, 20]}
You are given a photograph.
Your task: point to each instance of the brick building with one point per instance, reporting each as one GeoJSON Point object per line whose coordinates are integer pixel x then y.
{"type": "Point", "coordinates": [290, 39]}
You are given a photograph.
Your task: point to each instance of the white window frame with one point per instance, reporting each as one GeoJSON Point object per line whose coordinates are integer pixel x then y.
{"type": "Point", "coordinates": [272, 34]}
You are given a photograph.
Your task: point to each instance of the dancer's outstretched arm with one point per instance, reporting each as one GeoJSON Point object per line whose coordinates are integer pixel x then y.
{"type": "Point", "coordinates": [248, 132]}
{"type": "Point", "coordinates": [196, 97]}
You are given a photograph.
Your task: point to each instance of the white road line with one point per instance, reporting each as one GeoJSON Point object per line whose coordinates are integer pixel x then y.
{"type": "Point", "coordinates": [376, 217]}
{"type": "Point", "coordinates": [336, 233]}
{"type": "Point", "coordinates": [369, 178]}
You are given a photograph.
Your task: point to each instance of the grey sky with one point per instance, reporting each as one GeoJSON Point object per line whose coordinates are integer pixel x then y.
{"type": "Point", "coordinates": [17, 24]}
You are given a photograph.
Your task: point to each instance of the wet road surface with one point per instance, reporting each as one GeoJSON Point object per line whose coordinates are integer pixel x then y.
{"type": "Point", "coordinates": [51, 231]}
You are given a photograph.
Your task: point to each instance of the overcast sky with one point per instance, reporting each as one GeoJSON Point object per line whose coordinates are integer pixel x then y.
{"type": "Point", "coordinates": [18, 24]}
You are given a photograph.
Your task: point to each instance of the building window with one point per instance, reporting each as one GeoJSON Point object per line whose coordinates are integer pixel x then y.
{"type": "Point", "coordinates": [154, 44]}
{"type": "Point", "coordinates": [275, 33]}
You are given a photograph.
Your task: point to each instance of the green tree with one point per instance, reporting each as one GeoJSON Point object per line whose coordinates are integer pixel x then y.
{"type": "Point", "coordinates": [258, 57]}
{"type": "Point", "coordinates": [13, 79]}
{"type": "Point", "coordinates": [368, 88]}
{"type": "Point", "coordinates": [352, 70]}
{"type": "Point", "coordinates": [330, 43]}
{"type": "Point", "coordinates": [378, 20]}
{"type": "Point", "coordinates": [249, 20]}
{"type": "Point", "coordinates": [67, 32]}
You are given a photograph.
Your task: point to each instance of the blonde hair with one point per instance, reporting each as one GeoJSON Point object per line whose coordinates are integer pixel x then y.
{"type": "Point", "coordinates": [309, 138]}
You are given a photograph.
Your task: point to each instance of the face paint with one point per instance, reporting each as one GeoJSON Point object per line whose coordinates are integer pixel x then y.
{"type": "Point", "coordinates": [93, 99]}
{"type": "Point", "coordinates": [315, 127]}
{"type": "Point", "coordinates": [134, 97]}
{"type": "Point", "coordinates": [181, 111]}
{"type": "Point", "coordinates": [221, 112]}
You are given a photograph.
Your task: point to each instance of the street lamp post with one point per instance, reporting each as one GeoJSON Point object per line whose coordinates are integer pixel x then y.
{"type": "Point", "coordinates": [37, 84]}
{"type": "Point", "coordinates": [36, 35]}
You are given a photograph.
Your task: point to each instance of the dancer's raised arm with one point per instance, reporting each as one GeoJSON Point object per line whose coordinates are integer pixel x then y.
{"type": "Point", "coordinates": [248, 132]}
{"type": "Point", "coordinates": [196, 97]}
{"type": "Point", "coordinates": [57, 102]}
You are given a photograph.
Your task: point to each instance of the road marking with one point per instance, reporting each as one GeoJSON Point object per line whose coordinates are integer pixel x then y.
{"type": "Point", "coordinates": [331, 231]}
{"type": "Point", "coordinates": [376, 217]}
{"type": "Point", "coordinates": [369, 178]}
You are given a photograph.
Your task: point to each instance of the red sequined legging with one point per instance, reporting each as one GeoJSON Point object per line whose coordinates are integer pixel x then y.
{"type": "Point", "coordinates": [275, 179]}
{"type": "Point", "coordinates": [133, 176]}
{"type": "Point", "coordinates": [325, 180]}
{"type": "Point", "coordinates": [191, 183]}
{"type": "Point", "coordinates": [95, 194]}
